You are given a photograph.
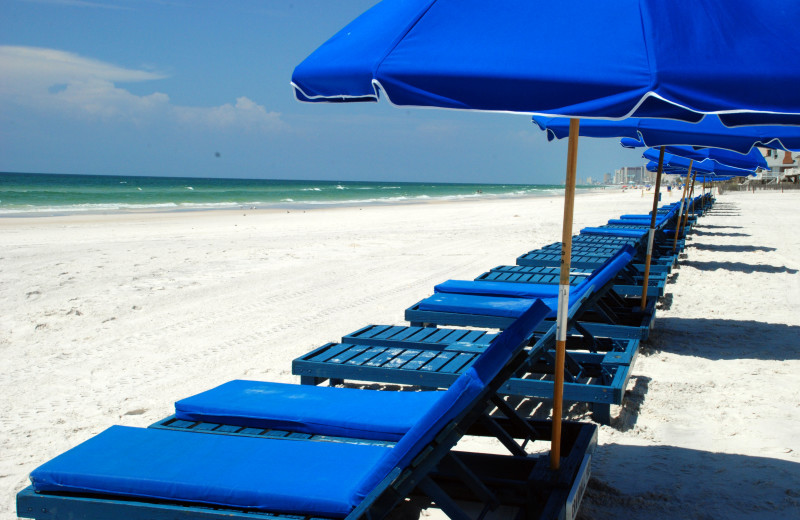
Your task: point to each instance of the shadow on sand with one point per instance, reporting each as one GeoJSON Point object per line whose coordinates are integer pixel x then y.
{"type": "Point", "coordinates": [717, 339]}
{"type": "Point", "coordinates": [725, 213]}
{"type": "Point", "coordinates": [700, 232]}
{"type": "Point", "coordinates": [739, 267]}
{"type": "Point", "coordinates": [711, 226]}
{"type": "Point", "coordinates": [674, 482]}
{"type": "Point", "coordinates": [730, 248]}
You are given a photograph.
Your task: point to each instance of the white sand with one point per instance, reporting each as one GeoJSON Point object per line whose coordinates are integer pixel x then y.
{"type": "Point", "coordinates": [109, 319]}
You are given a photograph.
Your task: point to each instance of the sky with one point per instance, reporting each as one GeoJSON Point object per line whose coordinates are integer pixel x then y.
{"type": "Point", "coordinates": [201, 88]}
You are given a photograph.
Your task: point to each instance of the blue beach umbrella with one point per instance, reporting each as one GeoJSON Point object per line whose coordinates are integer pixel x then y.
{"type": "Point", "coordinates": [752, 160]}
{"type": "Point", "coordinates": [670, 168]}
{"type": "Point", "coordinates": [704, 166]}
{"type": "Point", "coordinates": [649, 58]}
{"type": "Point", "coordinates": [684, 172]}
{"type": "Point", "coordinates": [710, 132]}
{"type": "Point", "coordinates": [704, 178]}
{"type": "Point", "coordinates": [704, 170]}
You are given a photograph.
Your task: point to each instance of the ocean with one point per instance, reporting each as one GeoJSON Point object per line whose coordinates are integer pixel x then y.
{"type": "Point", "coordinates": [49, 194]}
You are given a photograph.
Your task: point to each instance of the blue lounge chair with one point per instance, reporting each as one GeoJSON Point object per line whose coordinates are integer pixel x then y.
{"type": "Point", "coordinates": [497, 304]}
{"type": "Point", "coordinates": [627, 283]}
{"type": "Point", "coordinates": [591, 251]}
{"type": "Point", "coordinates": [666, 222]}
{"type": "Point", "coordinates": [665, 214]}
{"type": "Point", "coordinates": [597, 369]}
{"type": "Point", "coordinates": [159, 473]}
{"type": "Point", "coordinates": [662, 245]}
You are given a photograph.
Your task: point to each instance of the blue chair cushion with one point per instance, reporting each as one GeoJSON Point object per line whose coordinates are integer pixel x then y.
{"type": "Point", "coordinates": [498, 298]}
{"type": "Point", "coordinates": [499, 306]}
{"type": "Point", "coordinates": [632, 233]}
{"type": "Point", "coordinates": [637, 222]}
{"type": "Point", "coordinates": [367, 414]}
{"type": "Point", "coordinates": [297, 477]}
{"type": "Point", "coordinates": [489, 288]}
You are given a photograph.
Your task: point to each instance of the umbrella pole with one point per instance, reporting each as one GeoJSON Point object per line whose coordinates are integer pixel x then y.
{"type": "Point", "coordinates": [652, 233]}
{"type": "Point", "coordinates": [563, 292]}
{"type": "Point", "coordinates": [691, 202]}
{"type": "Point", "coordinates": [680, 210]}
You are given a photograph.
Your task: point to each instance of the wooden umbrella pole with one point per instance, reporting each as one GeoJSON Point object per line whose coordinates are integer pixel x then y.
{"type": "Point", "coordinates": [652, 233]}
{"type": "Point", "coordinates": [680, 209]}
{"type": "Point", "coordinates": [685, 215]}
{"type": "Point", "coordinates": [563, 292]}
{"type": "Point", "coordinates": [691, 202]}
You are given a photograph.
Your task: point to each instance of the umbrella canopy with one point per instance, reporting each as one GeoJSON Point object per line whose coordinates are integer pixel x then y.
{"type": "Point", "coordinates": [749, 161]}
{"type": "Point", "coordinates": [682, 58]}
{"type": "Point", "coordinates": [683, 172]}
{"type": "Point", "coordinates": [705, 166]}
{"type": "Point", "coordinates": [710, 132]}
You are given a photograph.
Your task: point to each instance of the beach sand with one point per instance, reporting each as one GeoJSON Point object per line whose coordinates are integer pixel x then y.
{"type": "Point", "coordinates": [108, 319]}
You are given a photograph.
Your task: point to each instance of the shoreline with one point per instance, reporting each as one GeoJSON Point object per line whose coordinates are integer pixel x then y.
{"type": "Point", "coordinates": [278, 206]}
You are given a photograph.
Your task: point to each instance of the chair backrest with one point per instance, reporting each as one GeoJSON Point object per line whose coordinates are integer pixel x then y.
{"type": "Point", "coordinates": [611, 267]}
{"type": "Point", "coordinates": [464, 394]}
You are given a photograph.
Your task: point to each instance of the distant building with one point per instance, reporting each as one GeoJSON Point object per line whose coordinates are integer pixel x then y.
{"type": "Point", "coordinates": [783, 166]}
{"type": "Point", "coordinates": [634, 175]}
{"type": "Point", "coordinates": [608, 178]}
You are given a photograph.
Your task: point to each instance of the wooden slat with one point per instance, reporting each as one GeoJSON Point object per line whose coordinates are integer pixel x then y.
{"type": "Point", "coordinates": [423, 334]}
{"type": "Point", "coordinates": [348, 353]}
{"type": "Point", "coordinates": [365, 356]}
{"type": "Point", "coordinates": [419, 360]}
{"type": "Point", "coordinates": [442, 336]}
{"type": "Point", "coordinates": [459, 363]}
{"type": "Point", "coordinates": [400, 360]}
{"type": "Point", "coordinates": [326, 352]}
{"type": "Point", "coordinates": [383, 358]}
{"type": "Point", "coordinates": [406, 333]}
{"type": "Point", "coordinates": [371, 331]}
{"type": "Point", "coordinates": [389, 332]}
{"type": "Point", "coordinates": [441, 359]}
{"type": "Point", "coordinates": [478, 336]}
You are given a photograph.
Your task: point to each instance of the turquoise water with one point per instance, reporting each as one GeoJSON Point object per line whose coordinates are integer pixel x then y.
{"type": "Point", "coordinates": [49, 194]}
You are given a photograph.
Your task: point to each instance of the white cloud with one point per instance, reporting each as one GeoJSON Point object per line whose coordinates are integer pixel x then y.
{"type": "Point", "coordinates": [245, 113]}
{"type": "Point", "coordinates": [25, 67]}
{"type": "Point", "coordinates": [54, 81]}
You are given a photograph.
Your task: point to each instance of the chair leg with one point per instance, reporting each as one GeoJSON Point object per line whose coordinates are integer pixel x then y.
{"type": "Point", "coordinates": [312, 380]}
{"type": "Point", "coordinates": [601, 413]}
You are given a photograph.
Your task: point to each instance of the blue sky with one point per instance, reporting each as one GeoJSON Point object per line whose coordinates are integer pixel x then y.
{"type": "Point", "coordinates": [160, 87]}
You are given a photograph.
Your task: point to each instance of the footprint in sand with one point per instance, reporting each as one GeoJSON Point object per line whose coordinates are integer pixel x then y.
{"type": "Point", "coordinates": [33, 295]}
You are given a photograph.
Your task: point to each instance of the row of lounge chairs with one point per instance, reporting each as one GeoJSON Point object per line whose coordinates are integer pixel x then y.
{"type": "Point", "coordinates": [606, 322]}
{"type": "Point", "coordinates": [255, 450]}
